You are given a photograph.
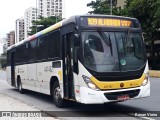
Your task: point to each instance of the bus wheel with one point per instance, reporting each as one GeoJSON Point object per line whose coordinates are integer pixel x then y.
{"type": "Point", "coordinates": [56, 94]}
{"type": "Point", "coordinates": [20, 89]}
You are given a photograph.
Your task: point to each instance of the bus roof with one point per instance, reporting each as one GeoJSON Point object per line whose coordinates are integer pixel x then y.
{"type": "Point", "coordinates": [72, 19]}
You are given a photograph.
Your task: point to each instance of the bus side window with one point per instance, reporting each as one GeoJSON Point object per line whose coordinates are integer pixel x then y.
{"type": "Point", "coordinates": [17, 55]}
{"type": "Point", "coordinates": [22, 53]}
{"type": "Point", "coordinates": [25, 49]}
{"type": "Point", "coordinates": [32, 51]}
{"type": "Point", "coordinates": [8, 58]}
{"type": "Point", "coordinates": [54, 45]}
{"type": "Point", "coordinates": [41, 48]}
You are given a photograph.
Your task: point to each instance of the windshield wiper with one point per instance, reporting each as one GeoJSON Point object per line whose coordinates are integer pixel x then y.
{"type": "Point", "coordinates": [106, 39]}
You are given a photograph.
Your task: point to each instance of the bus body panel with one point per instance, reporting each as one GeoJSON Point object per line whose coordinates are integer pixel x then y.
{"type": "Point", "coordinates": [76, 87]}
{"type": "Point", "coordinates": [8, 71]}
{"type": "Point", "coordinates": [90, 96]}
{"type": "Point", "coordinates": [37, 76]}
{"type": "Point", "coordinates": [44, 73]}
{"type": "Point", "coordinates": [22, 72]}
{"type": "Point", "coordinates": [32, 76]}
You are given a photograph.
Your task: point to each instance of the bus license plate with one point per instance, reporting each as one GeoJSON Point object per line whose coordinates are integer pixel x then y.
{"type": "Point", "coordinates": [123, 97]}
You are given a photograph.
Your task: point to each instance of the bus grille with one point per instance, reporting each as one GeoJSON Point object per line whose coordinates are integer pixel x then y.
{"type": "Point", "coordinates": [114, 95]}
{"type": "Point", "coordinates": [118, 78]}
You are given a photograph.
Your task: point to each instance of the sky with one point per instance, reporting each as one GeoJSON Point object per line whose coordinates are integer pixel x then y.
{"type": "Point", "coordinates": [10, 10]}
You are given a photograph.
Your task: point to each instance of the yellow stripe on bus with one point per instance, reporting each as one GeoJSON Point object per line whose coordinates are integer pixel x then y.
{"type": "Point", "coordinates": [60, 74]}
{"type": "Point", "coordinates": [53, 27]}
{"type": "Point", "coordinates": [118, 84]}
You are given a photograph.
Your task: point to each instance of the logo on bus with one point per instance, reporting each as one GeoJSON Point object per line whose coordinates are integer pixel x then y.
{"type": "Point", "coordinates": [108, 86]}
{"type": "Point", "coordinates": [48, 69]}
{"type": "Point", "coordinates": [123, 62]}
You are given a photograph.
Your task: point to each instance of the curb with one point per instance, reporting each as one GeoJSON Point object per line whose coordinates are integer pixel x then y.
{"type": "Point", "coordinates": [154, 73]}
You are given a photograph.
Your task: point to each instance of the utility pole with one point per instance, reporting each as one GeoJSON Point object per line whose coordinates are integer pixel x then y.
{"type": "Point", "coordinates": [56, 17]}
{"type": "Point", "coordinates": [111, 7]}
{"type": "Point", "coordinates": [36, 16]}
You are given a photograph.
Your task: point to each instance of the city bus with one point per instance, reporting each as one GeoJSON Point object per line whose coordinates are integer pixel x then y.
{"type": "Point", "coordinates": [90, 59]}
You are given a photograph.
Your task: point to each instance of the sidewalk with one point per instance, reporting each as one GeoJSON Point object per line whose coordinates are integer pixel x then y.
{"type": "Point", "coordinates": [154, 73]}
{"type": "Point", "coordinates": [13, 107]}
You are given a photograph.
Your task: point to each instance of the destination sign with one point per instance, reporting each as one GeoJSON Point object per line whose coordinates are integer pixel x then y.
{"type": "Point", "coordinates": [108, 22]}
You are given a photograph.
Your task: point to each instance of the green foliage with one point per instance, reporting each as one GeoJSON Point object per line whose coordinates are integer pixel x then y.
{"type": "Point", "coordinates": [99, 7]}
{"type": "Point", "coordinates": [3, 61]}
{"type": "Point", "coordinates": [4, 53]}
{"type": "Point", "coordinates": [148, 13]}
{"type": "Point", "coordinates": [43, 23]}
{"type": "Point", "coordinates": [103, 7]}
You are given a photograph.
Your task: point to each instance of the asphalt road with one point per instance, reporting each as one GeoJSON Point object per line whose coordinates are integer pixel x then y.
{"type": "Point", "coordinates": [79, 111]}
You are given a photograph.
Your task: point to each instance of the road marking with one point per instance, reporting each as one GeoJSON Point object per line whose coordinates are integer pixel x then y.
{"type": "Point", "coordinates": [147, 118]}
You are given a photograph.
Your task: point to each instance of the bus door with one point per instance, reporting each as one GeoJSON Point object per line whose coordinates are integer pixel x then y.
{"type": "Point", "coordinates": [68, 80]}
{"type": "Point", "coordinates": [13, 68]}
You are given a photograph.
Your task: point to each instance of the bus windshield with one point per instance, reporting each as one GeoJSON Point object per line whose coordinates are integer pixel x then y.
{"type": "Point", "coordinates": [113, 51]}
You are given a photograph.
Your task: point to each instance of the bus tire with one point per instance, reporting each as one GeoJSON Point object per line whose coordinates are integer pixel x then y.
{"type": "Point", "coordinates": [20, 89]}
{"type": "Point", "coordinates": [57, 99]}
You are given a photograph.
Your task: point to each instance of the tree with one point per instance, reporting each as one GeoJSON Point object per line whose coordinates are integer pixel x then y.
{"type": "Point", "coordinates": [103, 7]}
{"type": "Point", "coordinates": [146, 11]}
{"type": "Point", "coordinates": [3, 61]}
{"type": "Point", "coordinates": [99, 7]}
{"type": "Point", "coordinates": [43, 23]}
{"type": "Point", "coordinates": [148, 14]}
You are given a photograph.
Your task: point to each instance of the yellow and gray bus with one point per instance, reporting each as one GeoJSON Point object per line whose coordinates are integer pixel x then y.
{"type": "Point", "coordinates": [91, 59]}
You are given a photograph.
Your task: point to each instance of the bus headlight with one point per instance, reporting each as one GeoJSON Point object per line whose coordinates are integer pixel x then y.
{"type": "Point", "coordinates": [89, 83]}
{"type": "Point", "coordinates": [146, 79]}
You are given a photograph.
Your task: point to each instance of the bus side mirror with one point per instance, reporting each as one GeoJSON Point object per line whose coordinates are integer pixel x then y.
{"type": "Point", "coordinates": [76, 40]}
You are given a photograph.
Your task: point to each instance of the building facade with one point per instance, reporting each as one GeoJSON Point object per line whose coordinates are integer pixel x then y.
{"type": "Point", "coordinates": [19, 32]}
{"type": "Point", "coordinates": [29, 16]}
{"type": "Point", "coordinates": [10, 38]}
{"type": "Point", "coordinates": [51, 8]}
{"type": "Point", "coordinates": [120, 3]}
{"type": "Point", "coordinates": [116, 3]}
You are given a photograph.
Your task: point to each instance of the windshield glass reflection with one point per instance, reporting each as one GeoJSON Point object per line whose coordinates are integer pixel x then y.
{"type": "Point", "coordinates": [123, 53]}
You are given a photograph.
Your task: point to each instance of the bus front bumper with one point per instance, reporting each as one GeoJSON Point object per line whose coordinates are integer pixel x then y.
{"type": "Point", "coordinates": [89, 96]}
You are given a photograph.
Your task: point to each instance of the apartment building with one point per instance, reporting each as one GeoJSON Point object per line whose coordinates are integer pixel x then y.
{"type": "Point", "coordinates": [51, 8]}
{"type": "Point", "coordinates": [29, 16]}
{"type": "Point", "coordinates": [19, 32]}
{"type": "Point", "coordinates": [11, 38]}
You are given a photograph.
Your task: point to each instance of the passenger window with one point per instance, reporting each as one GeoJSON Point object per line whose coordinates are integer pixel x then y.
{"type": "Point", "coordinates": [8, 58]}
{"type": "Point", "coordinates": [54, 45]}
{"type": "Point", "coordinates": [32, 50]}
{"type": "Point", "coordinates": [41, 48]}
